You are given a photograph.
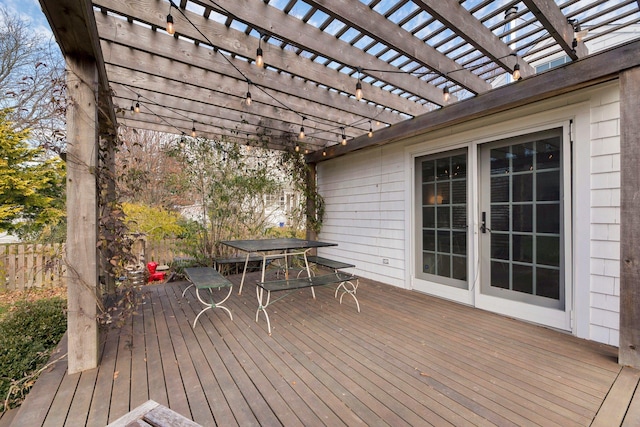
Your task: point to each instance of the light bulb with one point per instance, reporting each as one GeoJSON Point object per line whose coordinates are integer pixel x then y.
{"type": "Point", "coordinates": [248, 100]}
{"type": "Point", "coordinates": [259, 59]}
{"type": "Point", "coordinates": [358, 91]}
{"type": "Point", "coordinates": [170, 29]}
{"type": "Point", "coordinates": [516, 72]}
{"type": "Point", "coordinates": [137, 109]}
{"type": "Point", "coordinates": [445, 94]}
{"type": "Point", "coordinates": [301, 135]}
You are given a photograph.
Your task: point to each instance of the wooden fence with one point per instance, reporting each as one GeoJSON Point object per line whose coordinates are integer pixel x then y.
{"type": "Point", "coordinates": [24, 266]}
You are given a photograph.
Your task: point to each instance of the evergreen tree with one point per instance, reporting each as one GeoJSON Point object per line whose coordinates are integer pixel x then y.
{"type": "Point", "coordinates": [31, 186]}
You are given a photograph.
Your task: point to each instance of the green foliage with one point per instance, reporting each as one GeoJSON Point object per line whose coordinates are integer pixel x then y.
{"type": "Point", "coordinates": [229, 185]}
{"type": "Point", "coordinates": [31, 186]}
{"type": "Point", "coordinates": [155, 222]}
{"type": "Point", "coordinates": [27, 337]}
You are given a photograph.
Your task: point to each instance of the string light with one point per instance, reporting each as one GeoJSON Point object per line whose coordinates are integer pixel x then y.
{"type": "Point", "coordinates": [248, 99]}
{"type": "Point", "coordinates": [344, 138]}
{"type": "Point", "coordinates": [370, 134]}
{"type": "Point", "coordinates": [445, 94]}
{"type": "Point", "coordinates": [137, 108]}
{"type": "Point", "coordinates": [516, 72]}
{"type": "Point", "coordinates": [259, 59]}
{"type": "Point", "coordinates": [170, 28]}
{"type": "Point", "coordinates": [301, 135]}
{"type": "Point", "coordinates": [193, 129]}
{"type": "Point", "coordinates": [297, 148]}
{"type": "Point", "coordinates": [359, 86]}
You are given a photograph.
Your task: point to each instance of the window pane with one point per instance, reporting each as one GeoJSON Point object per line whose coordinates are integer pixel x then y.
{"type": "Point", "coordinates": [548, 153]}
{"type": "Point", "coordinates": [429, 240]}
{"type": "Point", "coordinates": [443, 219]}
{"type": "Point", "coordinates": [428, 217]}
{"type": "Point", "coordinates": [428, 171]}
{"type": "Point", "coordinates": [548, 218]}
{"type": "Point", "coordinates": [500, 274]}
{"type": "Point", "coordinates": [548, 186]}
{"type": "Point", "coordinates": [429, 262]}
{"type": "Point", "coordinates": [429, 194]}
{"type": "Point", "coordinates": [459, 216]}
{"type": "Point", "coordinates": [500, 218]}
{"type": "Point", "coordinates": [459, 192]}
{"type": "Point", "coordinates": [522, 218]}
{"type": "Point", "coordinates": [548, 283]}
{"type": "Point", "coordinates": [500, 161]}
{"type": "Point", "coordinates": [523, 156]}
{"type": "Point", "coordinates": [522, 188]}
{"type": "Point", "coordinates": [459, 166]}
{"type": "Point", "coordinates": [444, 265]}
{"type": "Point", "coordinates": [442, 168]}
{"type": "Point", "coordinates": [459, 268]}
{"type": "Point", "coordinates": [522, 248]}
{"type": "Point", "coordinates": [444, 241]}
{"type": "Point", "coordinates": [500, 246]}
{"type": "Point", "coordinates": [459, 243]}
{"type": "Point", "coordinates": [523, 278]}
{"type": "Point", "coordinates": [548, 250]}
{"type": "Point", "coordinates": [443, 193]}
{"type": "Point", "coordinates": [500, 189]}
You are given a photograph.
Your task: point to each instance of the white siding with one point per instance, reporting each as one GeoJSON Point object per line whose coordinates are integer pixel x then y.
{"type": "Point", "coordinates": [364, 198]}
{"type": "Point", "coordinates": [365, 207]}
{"type": "Point", "coordinates": [605, 218]}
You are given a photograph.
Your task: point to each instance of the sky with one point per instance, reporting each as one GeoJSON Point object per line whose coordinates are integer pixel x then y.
{"type": "Point", "coordinates": [30, 11]}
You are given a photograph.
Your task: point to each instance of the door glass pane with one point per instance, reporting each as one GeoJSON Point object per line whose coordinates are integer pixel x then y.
{"type": "Point", "coordinates": [525, 211]}
{"type": "Point", "coordinates": [522, 218]}
{"type": "Point", "coordinates": [522, 188]}
{"type": "Point", "coordinates": [444, 218]}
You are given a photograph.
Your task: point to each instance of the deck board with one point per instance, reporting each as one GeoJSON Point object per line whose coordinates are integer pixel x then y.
{"type": "Point", "coordinates": [406, 359]}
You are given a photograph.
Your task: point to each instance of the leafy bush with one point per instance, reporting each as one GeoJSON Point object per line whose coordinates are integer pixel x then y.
{"type": "Point", "coordinates": [28, 334]}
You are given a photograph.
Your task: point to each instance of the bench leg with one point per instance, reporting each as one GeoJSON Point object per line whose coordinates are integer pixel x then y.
{"type": "Point", "coordinates": [262, 307]}
{"type": "Point", "coordinates": [185, 289]}
{"type": "Point", "coordinates": [212, 304]}
{"type": "Point", "coordinates": [350, 288]}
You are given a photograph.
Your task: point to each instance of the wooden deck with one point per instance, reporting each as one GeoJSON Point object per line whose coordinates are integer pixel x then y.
{"type": "Point", "coordinates": [406, 359]}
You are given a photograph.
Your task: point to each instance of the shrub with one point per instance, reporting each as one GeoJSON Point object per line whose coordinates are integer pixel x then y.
{"type": "Point", "coordinates": [28, 334]}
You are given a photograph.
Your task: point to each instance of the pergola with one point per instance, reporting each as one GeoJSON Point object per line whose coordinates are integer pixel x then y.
{"type": "Point", "coordinates": [419, 65]}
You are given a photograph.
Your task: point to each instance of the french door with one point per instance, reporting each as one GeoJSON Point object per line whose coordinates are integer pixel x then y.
{"type": "Point", "coordinates": [522, 226]}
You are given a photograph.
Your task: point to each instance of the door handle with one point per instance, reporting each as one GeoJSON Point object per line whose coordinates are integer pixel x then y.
{"type": "Point", "coordinates": [483, 224]}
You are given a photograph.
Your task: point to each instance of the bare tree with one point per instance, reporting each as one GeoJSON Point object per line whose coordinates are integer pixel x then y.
{"type": "Point", "coordinates": [32, 81]}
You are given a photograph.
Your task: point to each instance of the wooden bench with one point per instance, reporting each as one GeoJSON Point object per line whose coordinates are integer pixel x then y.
{"type": "Point", "coordinates": [329, 263]}
{"type": "Point", "coordinates": [348, 283]}
{"type": "Point", "coordinates": [207, 278]}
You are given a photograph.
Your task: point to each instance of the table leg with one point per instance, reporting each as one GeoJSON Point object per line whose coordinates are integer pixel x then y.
{"type": "Point", "coordinates": [244, 273]}
{"type": "Point", "coordinates": [262, 306]}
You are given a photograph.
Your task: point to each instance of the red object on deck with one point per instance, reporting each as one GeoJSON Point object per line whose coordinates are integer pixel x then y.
{"type": "Point", "coordinates": [153, 275]}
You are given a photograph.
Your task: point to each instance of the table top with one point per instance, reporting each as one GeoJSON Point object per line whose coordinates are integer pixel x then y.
{"type": "Point", "coordinates": [265, 245]}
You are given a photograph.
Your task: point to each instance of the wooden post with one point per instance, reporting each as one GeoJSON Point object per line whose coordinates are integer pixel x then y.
{"type": "Point", "coordinates": [82, 214]}
{"type": "Point", "coordinates": [629, 349]}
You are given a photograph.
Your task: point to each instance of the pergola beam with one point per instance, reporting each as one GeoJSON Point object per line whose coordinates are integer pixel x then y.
{"type": "Point", "coordinates": [358, 15]}
{"type": "Point", "coordinates": [452, 14]}
{"type": "Point", "coordinates": [550, 15]}
{"type": "Point", "coordinates": [230, 40]}
{"type": "Point", "coordinates": [256, 13]}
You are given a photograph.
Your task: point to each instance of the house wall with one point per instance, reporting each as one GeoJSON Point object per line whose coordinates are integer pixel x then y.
{"type": "Point", "coordinates": [369, 214]}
